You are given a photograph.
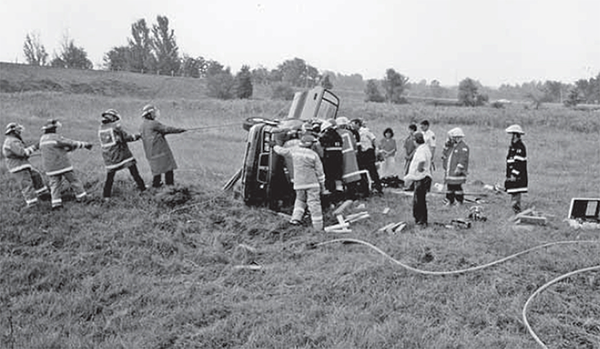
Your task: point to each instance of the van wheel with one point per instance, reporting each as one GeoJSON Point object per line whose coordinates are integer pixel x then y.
{"type": "Point", "coordinates": [249, 122]}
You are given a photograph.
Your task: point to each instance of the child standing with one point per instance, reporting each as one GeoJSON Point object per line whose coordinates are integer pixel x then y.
{"type": "Point", "coordinates": [387, 147]}
{"type": "Point", "coordinates": [309, 180]}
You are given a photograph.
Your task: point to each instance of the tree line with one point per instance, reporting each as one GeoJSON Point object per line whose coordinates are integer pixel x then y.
{"type": "Point", "coordinates": [153, 49]}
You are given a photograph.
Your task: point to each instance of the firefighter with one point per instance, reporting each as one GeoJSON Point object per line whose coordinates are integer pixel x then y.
{"type": "Point", "coordinates": [516, 167]}
{"type": "Point", "coordinates": [157, 149]}
{"type": "Point", "coordinates": [455, 160]}
{"type": "Point", "coordinates": [16, 156]}
{"type": "Point", "coordinates": [331, 143]}
{"type": "Point", "coordinates": [309, 180]}
{"type": "Point", "coordinates": [115, 152]}
{"type": "Point", "coordinates": [351, 174]}
{"type": "Point", "coordinates": [57, 164]}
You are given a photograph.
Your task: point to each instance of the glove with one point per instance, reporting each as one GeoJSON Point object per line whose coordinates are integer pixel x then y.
{"type": "Point", "coordinates": [88, 146]}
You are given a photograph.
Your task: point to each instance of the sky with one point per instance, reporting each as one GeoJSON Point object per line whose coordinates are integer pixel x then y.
{"type": "Point", "coordinates": [493, 41]}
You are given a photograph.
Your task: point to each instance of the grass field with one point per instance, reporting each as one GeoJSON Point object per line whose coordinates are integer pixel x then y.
{"type": "Point", "coordinates": [169, 268]}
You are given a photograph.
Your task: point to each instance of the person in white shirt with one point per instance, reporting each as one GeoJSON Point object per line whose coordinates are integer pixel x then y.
{"type": "Point", "coordinates": [429, 137]}
{"type": "Point", "coordinates": [419, 173]}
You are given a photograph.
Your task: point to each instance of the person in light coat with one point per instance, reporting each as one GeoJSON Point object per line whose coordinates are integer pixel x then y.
{"type": "Point", "coordinates": [16, 156]}
{"type": "Point", "coordinates": [115, 151]}
{"type": "Point", "coordinates": [455, 161]}
{"type": "Point", "coordinates": [55, 149]}
{"type": "Point", "coordinates": [309, 180]}
{"type": "Point", "coordinates": [157, 149]}
{"type": "Point", "coordinates": [419, 173]}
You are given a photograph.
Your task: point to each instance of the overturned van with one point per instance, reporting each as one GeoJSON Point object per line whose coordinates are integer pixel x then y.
{"type": "Point", "coordinates": [266, 177]}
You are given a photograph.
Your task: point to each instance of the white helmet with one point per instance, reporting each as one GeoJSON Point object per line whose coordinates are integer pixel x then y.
{"type": "Point", "coordinates": [342, 120]}
{"type": "Point", "coordinates": [515, 129]}
{"type": "Point", "coordinates": [456, 132]}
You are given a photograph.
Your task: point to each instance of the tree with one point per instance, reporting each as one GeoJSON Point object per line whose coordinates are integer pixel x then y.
{"type": "Point", "coordinates": [140, 46]}
{"type": "Point", "coordinates": [326, 82]}
{"type": "Point", "coordinates": [35, 52]}
{"type": "Point", "coordinates": [468, 93]}
{"type": "Point", "coordinates": [219, 81]}
{"type": "Point", "coordinates": [117, 58]}
{"type": "Point", "coordinates": [165, 47]}
{"type": "Point", "coordinates": [192, 67]}
{"type": "Point", "coordinates": [71, 56]}
{"type": "Point", "coordinates": [243, 83]}
{"type": "Point", "coordinates": [297, 73]}
{"type": "Point", "coordinates": [372, 93]}
{"type": "Point", "coordinates": [394, 85]}
{"type": "Point", "coordinates": [260, 75]}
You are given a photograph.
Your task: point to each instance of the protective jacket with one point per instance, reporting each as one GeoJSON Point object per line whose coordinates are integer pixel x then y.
{"type": "Point", "coordinates": [54, 153]}
{"type": "Point", "coordinates": [516, 168]}
{"type": "Point", "coordinates": [115, 152]}
{"type": "Point", "coordinates": [350, 171]}
{"type": "Point", "coordinates": [157, 149]}
{"type": "Point", "coordinates": [331, 142]}
{"type": "Point", "coordinates": [308, 169]}
{"type": "Point", "coordinates": [456, 163]}
{"type": "Point", "coordinates": [16, 155]}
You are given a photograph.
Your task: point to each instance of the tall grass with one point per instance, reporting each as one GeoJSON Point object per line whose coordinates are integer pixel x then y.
{"type": "Point", "coordinates": [169, 268]}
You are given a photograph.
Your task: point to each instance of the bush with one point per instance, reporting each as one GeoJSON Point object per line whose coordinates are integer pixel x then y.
{"type": "Point", "coordinates": [282, 91]}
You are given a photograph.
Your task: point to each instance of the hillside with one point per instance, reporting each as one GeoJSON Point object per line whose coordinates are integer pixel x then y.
{"type": "Point", "coordinates": [24, 78]}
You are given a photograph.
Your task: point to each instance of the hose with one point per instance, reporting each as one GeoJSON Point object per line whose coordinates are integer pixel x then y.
{"type": "Point", "coordinates": [462, 271]}
{"type": "Point", "coordinates": [539, 290]}
{"type": "Point", "coordinates": [453, 272]}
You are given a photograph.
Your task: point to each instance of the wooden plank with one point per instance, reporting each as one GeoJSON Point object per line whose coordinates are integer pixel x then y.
{"type": "Point", "coordinates": [533, 220]}
{"type": "Point", "coordinates": [342, 207]}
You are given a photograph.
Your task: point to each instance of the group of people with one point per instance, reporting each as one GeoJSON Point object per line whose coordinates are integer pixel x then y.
{"type": "Point", "coordinates": [455, 162]}
{"type": "Point", "coordinates": [321, 158]}
{"type": "Point", "coordinates": [116, 154]}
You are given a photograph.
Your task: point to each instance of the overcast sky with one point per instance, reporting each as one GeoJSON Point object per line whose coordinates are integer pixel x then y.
{"type": "Point", "coordinates": [493, 41]}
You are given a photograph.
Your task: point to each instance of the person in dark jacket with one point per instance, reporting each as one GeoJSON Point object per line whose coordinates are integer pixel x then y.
{"type": "Point", "coordinates": [516, 167]}
{"type": "Point", "coordinates": [157, 149]}
{"type": "Point", "coordinates": [55, 149]}
{"type": "Point", "coordinates": [455, 161]}
{"type": "Point", "coordinates": [115, 151]}
{"type": "Point", "coordinates": [332, 159]}
{"type": "Point", "coordinates": [16, 156]}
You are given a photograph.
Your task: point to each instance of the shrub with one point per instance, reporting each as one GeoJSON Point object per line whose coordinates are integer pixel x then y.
{"type": "Point", "coordinates": [282, 91]}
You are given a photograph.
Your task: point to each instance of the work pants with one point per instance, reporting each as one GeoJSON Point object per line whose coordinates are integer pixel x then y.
{"type": "Point", "coordinates": [56, 187]}
{"type": "Point", "coordinates": [311, 198]}
{"type": "Point", "coordinates": [110, 177]}
{"type": "Point", "coordinates": [31, 185]}
{"type": "Point", "coordinates": [169, 179]}
{"type": "Point", "coordinates": [366, 161]}
{"type": "Point", "coordinates": [515, 201]}
{"type": "Point", "coordinates": [455, 191]}
{"type": "Point", "coordinates": [420, 201]}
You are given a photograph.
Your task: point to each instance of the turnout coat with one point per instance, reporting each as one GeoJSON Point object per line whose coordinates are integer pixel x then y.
{"type": "Point", "coordinates": [16, 155]}
{"type": "Point", "coordinates": [115, 152]}
{"type": "Point", "coordinates": [54, 153]}
{"type": "Point", "coordinates": [333, 159]}
{"type": "Point", "coordinates": [157, 149]}
{"type": "Point", "coordinates": [516, 168]}
{"type": "Point", "coordinates": [456, 163]}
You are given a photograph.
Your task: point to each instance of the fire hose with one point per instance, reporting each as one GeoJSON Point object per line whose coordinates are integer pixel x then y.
{"type": "Point", "coordinates": [487, 265]}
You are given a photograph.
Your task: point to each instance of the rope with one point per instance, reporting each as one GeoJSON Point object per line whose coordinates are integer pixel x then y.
{"type": "Point", "coordinates": [213, 126]}
{"type": "Point", "coordinates": [453, 272]}
{"type": "Point", "coordinates": [539, 290]}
